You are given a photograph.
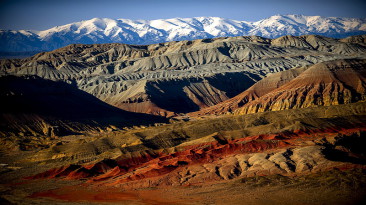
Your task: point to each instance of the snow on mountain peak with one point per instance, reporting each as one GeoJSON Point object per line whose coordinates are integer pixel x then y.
{"type": "Point", "coordinates": [105, 30]}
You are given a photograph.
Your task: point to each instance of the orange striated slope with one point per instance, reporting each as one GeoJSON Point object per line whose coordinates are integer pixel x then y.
{"type": "Point", "coordinates": [256, 91]}
{"type": "Point", "coordinates": [328, 83]}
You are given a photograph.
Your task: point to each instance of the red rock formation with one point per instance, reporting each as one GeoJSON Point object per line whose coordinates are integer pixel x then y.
{"type": "Point", "coordinates": [155, 166]}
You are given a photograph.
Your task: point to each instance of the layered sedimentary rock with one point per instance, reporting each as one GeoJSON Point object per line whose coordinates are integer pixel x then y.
{"type": "Point", "coordinates": [202, 72]}
{"type": "Point", "coordinates": [323, 84]}
{"type": "Point", "coordinates": [256, 91]}
{"type": "Point", "coordinates": [224, 148]}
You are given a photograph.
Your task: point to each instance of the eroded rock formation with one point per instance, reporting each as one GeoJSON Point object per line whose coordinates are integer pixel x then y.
{"type": "Point", "coordinates": [202, 72]}
{"type": "Point", "coordinates": [323, 84]}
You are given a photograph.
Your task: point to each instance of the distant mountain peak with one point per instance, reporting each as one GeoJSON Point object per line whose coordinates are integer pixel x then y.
{"type": "Point", "coordinates": [106, 30]}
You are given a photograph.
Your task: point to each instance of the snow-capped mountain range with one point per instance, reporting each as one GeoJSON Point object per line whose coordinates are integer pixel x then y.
{"type": "Point", "coordinates": [104, 30]}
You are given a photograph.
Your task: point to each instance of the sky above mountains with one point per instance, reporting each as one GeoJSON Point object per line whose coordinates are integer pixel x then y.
{"type": "Point", "coordinates": [43, 14]}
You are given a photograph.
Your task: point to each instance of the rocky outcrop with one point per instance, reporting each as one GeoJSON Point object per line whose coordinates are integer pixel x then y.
{"type": "Point", "coordinates": [321, 43]}
{"type": "Point", "coordinates": [361, 39]}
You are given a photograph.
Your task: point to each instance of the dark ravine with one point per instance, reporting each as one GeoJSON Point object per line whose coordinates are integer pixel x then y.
{"type": "Point", "coordinates": [32, 106]}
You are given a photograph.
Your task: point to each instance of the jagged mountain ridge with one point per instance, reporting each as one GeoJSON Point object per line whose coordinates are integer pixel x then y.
{"type": "Point", "coordinates": [180, 77]}
{"type": "Point", "coordinates": [104, 30]}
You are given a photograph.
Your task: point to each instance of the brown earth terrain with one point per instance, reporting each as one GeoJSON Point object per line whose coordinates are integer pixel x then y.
{"type": "Point", "coordinates": [198, 153]}
{"type": "Point", "coordinates": [243, 120]}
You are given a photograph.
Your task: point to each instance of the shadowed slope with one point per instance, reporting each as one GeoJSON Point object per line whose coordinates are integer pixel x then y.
{"type": "Point", "coordinates": [34, 105]}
